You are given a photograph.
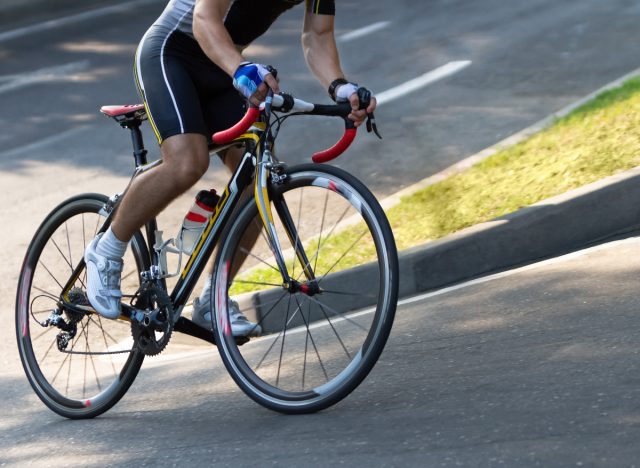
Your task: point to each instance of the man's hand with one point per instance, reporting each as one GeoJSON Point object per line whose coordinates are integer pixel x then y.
{"type": "Point", "coordinates": [253, 80]}
{"type": "Point", "coordinates": [349, 92]}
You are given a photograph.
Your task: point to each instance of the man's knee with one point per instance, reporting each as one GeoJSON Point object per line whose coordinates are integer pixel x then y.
{"type": "Point", "coordinates": [187, 159]}
{"type": "Point", "coordinates": [188, 168]}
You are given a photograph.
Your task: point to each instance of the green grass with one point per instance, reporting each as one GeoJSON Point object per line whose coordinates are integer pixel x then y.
{"type": "Point", "coordinates": [596, 140]}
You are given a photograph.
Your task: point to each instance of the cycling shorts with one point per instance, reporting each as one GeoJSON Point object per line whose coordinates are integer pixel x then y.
{"type": "Point", "coordinates": [182, 89]}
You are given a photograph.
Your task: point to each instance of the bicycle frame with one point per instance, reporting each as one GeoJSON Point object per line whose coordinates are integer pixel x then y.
{"type": "Point", "coordinates": [256, 166]}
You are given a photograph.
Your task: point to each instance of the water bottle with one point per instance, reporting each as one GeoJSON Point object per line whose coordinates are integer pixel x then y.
{"type": "Point", "coordinates": [196, 220]}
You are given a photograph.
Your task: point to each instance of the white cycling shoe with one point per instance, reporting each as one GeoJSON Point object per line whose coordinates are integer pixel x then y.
{"type": "Point", "coordinates": [103, 281]}
{"type": "Point", "coordinates": [240, 325]}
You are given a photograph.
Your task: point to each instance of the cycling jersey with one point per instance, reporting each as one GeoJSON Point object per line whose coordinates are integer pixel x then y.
{"type": "Point", "coordinates": [246, 20]}
{"type": "Point", "coordinates": [183, 90]}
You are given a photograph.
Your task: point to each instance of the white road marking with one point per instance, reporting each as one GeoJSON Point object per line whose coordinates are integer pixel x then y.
{"type": "Point", "coordinates": [35, 28]}
{"type": "Point", "coordinates": [44, 75]}
{"type": "Point", "coordinates": [358, 33]}
{"type": "Point", "coordinates": [42, 144]}
{"type": "Point", "coordinates": [415, 84]}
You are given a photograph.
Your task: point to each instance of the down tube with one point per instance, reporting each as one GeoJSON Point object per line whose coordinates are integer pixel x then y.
{"type": "Point", "coordinates": [211, 234]}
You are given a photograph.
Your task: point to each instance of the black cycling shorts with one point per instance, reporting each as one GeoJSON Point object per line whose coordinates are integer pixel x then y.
{"type": "Point", "coordinates": [183, 90]}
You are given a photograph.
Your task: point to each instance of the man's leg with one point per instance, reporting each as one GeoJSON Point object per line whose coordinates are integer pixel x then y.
{"type": "Point", "coordinates": [185, 159]}
{"type": "Point", "coordinates": [240, 325]}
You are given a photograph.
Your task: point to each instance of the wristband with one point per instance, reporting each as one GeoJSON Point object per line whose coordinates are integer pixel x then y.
{"type": "Point", "coordinates": [334, 84]}
{"type": "Point", "coordinates": [248, 77]}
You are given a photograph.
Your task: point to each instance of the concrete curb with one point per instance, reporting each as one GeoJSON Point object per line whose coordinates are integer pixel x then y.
{"type": "Point", "coordinates": [556, 226]}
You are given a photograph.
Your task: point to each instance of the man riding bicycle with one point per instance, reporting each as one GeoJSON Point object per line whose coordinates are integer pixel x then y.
{"type": "Point", "coordinates": [193, 80]}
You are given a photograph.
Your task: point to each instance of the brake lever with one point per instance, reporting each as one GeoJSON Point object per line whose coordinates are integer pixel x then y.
{"type": "Point", "coordinates": [364, 99]}
{"type": "Point", "coordinates": [371, 125]}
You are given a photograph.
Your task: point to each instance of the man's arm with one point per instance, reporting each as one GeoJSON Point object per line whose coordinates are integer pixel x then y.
{"type": "Point", "coordinates": [321, 55]}
{"type": "Point", "coordinates": [319, 46]}
{"type": "Point", "coordinates": [215, 41]}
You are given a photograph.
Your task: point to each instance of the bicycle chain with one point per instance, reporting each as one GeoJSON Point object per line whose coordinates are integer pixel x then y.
{"type": "Point", "coordinates": [144, 337]}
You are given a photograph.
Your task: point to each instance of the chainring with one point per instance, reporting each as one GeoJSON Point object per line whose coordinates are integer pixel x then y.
{"type": "Point", "coordinates": [145, 336]}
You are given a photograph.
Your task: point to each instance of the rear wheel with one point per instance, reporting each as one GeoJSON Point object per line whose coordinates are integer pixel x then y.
{"type": "Point", "coordinates": [79, 363]}
{"type": "Point", "coordinates": [320, 336]}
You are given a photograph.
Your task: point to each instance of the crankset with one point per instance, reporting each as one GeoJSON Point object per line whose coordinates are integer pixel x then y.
{"type": "Point", "coordinates": [152, 328]}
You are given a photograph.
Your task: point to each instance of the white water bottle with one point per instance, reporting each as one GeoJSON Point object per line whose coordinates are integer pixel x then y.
{"type": "Point", "coordinates": [196, 220]}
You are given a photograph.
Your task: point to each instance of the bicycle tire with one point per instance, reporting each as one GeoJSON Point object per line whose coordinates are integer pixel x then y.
{"type": "Point", "coordinates": [57, 246]}
{"type": "Point", "coordinates": [341, 331]}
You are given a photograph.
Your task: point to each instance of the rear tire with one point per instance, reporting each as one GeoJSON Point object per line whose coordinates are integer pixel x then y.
{"type": "Point", "coordinates": [315, 348]}
{"type": "Point", "coordinates": [100, 363]}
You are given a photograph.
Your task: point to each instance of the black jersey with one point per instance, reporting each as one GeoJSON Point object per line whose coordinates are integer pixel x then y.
{"type": "Point", "coordinates": [246, 20]}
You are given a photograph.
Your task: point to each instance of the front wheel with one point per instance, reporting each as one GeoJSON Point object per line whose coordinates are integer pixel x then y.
{"type": "Point", "coordinates": [322, 333]}
{"type": "Point", "coordinates": [79, 363]}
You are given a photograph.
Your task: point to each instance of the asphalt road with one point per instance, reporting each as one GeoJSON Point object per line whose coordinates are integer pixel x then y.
{"type": "Point", "coordinates": [529, 58]}
{"type": "Point", "coordinates": [537, 367]}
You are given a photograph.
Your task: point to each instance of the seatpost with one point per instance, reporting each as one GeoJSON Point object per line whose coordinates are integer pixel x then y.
{"type": "Point", "coordinates": [139, 152]}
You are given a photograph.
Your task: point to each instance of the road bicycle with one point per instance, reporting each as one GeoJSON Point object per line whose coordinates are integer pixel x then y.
{"type": "Point", "coordinates": [304, 251]}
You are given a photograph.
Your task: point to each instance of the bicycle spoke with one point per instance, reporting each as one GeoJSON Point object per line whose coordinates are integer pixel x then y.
{"type": "Point", "coordinates": [46, 354]}
{"type": "Point", "coordinates": [279, 334]}
{"type": "Point", "coordinates": [106, 346]}
{"type": "Point", "coordinates": [95, 231]}
{"type": "Point", "coordinates": [268, 312]}
{"type": "Point", "coordinates": [100, 325]}
{"type": "Point", "coordinates": [68, 246]}
{"type": "Point", "coordinates": [324, 212]}
{"type": "Point", "coordinates": [84, 247]}
{"type": "Point", "coordinates": [347, 293]}
{"type": "Point", "coordinates": [245, 251]}
{"type": "Point", "coordinates": [343, 255]}
{"type": "Point", "coordinates": [328, 236]}
{"type": "Point", "coordinates": [335, 331]}
{"type": "Point", "coordinates": [306, 347]}
{"type": "Point", "coordinates": [69, 372]}
{"type": "Point", "coordinates": [44, 332]}
{"type": "Point", "coordinates": [284, 337]}
{"type": "Point", "coordinates": [46, 293]}
{"type": "Point", "coordinates": [60, 368]}
{"type": "Point", "coordinates": [50, 274]}
{"type": "Point", "coordinates": [68, 262]}
{"type": "Point", "coordinates": [313, 343]}
{"type": "Point", "coordinates": [258, 283]}
{"type": "Point", "coordinates": [336, 313]}
{"type": "Point", "coordinates": [93, 364]}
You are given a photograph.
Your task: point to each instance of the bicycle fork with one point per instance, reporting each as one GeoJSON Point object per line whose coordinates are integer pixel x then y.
{"type": "Point", "coordinates": [267, 173]}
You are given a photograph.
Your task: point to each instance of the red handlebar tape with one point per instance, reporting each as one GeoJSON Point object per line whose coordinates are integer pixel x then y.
{"type": "Point", "coordinates": [337, 149]}
{"type": "Point", "coordinates": [230, 134]}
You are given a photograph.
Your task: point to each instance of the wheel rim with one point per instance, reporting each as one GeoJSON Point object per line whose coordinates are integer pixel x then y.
{"type": "Point", "coordinates": [322, 344]}
{"type": "Point", "coordinates": [92, 367]}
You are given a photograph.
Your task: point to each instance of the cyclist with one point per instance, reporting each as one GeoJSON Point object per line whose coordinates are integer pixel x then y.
{"type": "Point", "coordinates": [192, 78]}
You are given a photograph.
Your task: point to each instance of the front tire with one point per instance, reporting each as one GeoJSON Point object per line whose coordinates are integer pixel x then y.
{"type": "Point", "coordinates": [316, 347]}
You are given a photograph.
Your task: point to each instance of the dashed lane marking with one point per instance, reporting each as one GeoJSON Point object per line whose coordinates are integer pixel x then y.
{"type": "Point", "coordinates": [361, 32]}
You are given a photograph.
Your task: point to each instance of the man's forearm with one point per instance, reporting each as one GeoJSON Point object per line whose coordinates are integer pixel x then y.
{"type": "Point", "coordinates": [213, 37]}
{"type": "Point", "coordinates": [321, 55]}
